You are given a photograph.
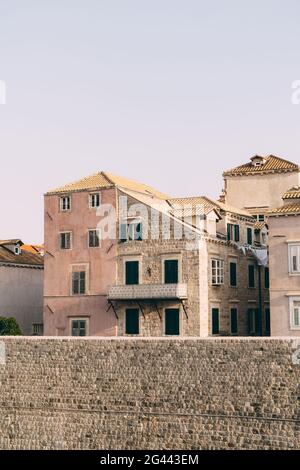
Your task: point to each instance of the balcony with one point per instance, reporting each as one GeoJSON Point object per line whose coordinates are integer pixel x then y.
{"type": "Point", "coordinates": [148, 291]}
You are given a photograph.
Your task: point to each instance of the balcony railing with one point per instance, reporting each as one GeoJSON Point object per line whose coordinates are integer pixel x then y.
{"type": "Point", "coordinates": [148, 291]}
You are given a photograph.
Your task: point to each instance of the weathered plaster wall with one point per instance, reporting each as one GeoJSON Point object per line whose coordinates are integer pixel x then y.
{"type": "Point", "coordinates": [21, 295]}
{"type": "Point", "coordinates": [149, 394]}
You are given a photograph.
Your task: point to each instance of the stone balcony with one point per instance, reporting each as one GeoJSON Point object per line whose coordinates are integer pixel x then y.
{"type": "Point", "coordinates": [148, 291]}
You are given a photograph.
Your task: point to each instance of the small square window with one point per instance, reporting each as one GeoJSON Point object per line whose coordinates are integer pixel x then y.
{"type": "Point", "coordinates": [78, 283]}
{"type": "Point", "coordinates": [217, 272]}
{"type": "Point", "coordinates": [65, 203]}
{"type": "Point", "coordinates": [65, 240]}
{"type": "Point", "coordinates": [132, 326]}
{"type": "Point", "coordinates": [172, 321]}
{"type": "Point", "coordinates": [94, 200]}
{"type": "Point", "coordinates": [171, 271]}
{"type": "Point", "coordinates": [78, 327]}
{"type": "Point", "coordinates": [94, 238]}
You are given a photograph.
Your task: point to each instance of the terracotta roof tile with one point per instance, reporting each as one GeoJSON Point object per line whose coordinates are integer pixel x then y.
{"type": "Point", "coordinates": [106, 180]}
{"type": "Point", "coordinates": [293, 193]}
{"type": "Point", "coordinates": [286, 210]}
{"type": "Point", "coordinates": [271, 164]}
{"type": "Point", "coordinates": [24, 258]}
{"type": "Point", "coordinates": [192, 205]}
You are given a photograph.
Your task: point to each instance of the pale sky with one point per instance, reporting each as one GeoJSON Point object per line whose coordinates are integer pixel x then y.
{"type": "Point", "coordinates": [167, 92]}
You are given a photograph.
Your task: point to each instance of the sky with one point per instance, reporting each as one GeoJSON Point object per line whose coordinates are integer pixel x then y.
{"type": "Point", "coordinates": [167, 92]}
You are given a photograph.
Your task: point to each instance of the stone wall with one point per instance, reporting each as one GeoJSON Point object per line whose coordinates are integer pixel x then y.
{"type": "Point", "coordinates": [126, 393]}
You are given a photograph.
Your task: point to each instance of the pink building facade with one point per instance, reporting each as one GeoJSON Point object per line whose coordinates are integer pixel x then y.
{"type": "Point", "coordinates": [77, 270]}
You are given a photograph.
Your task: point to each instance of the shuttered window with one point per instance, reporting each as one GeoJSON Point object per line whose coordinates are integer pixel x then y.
{"type": "Point", "coordinates": [131, 272]}
{"type": "Point", "coordinates": [267, 278]}
{"type": "Point", "coordinates": [132, 326]}
{"type": "Point", "coordinates": [215, 321]}
{"type": "Point", "coordinates": [267, 322]}
{"type": "Point", "coordinates": [251, 275]}
{"type": "Point", "coordinates": [172, 321]}
{"type": "Point", "coordinates": [233, 232]}
{"type": "Point", "coordinates": [233, 274]}
{"type": "Point", "coordinates": [171, 271]}
{"type": "Point", "coordinates": [249, 236]}
{"type": "Point", "coordinates": [78, 283]}
{"type": "Point", "coordinates": [252, 321]}
{"type": "Point", "coordinates": [234, 321]}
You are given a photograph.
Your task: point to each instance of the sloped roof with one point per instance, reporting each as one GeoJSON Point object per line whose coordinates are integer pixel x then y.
{"type": "Point", "coordinates": [106, 180]}
{"type": "Point", "coordinates": [192, 205]}
{"type": "Point", "coordinates": [259, 225]}
{"type": "Point", "coordinates": [293, 193]}
{"type": "Point", "coordinates": [24, 258]}
{"type": "Point", "coordinates": [288, 209]}
{"type": "Point", "coordinates": [272, 164]}
{"type": "Point", "coordinates": [208, 205]}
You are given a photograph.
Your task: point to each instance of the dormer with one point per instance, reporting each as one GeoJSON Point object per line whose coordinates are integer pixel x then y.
{"type": "Point", "coordinates": [14, 246]}
{"type": "Point", "coordinates": [257, 160]}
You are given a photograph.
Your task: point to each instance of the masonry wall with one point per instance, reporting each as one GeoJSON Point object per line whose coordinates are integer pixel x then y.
{"type": "Point", "coordinates": [98, 393]}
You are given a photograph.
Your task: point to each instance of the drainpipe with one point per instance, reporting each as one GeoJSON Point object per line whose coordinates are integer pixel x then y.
{"type": "Point", "coordinates": [260, 309]}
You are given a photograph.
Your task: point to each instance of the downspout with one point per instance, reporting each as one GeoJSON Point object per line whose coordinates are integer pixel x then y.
{"type": "Point", "coordinates": [260, 309]}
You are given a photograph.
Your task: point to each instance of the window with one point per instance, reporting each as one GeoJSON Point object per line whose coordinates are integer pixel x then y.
{"type": "Point", "coordinates": [78, 283]}
{"type": "Point", "coordinates": [217, 271]}
{"type": "Point", "coordinates": [17, 250]}
{"type": "Point", "coordinates": [267, 322]}
{"type": "Point", "coordinates": [295, 312]}
{"type": "Point", "coordinates": [65, 240]}
{"type": "Point", "coordinates": [252, 321]}
{"type": "Point", "coordinates": [79, 327]}
{"type": "Point", "coordinates": [233, 321]}
{"type": "Point", "coordinates": [294, 259]}
{"type": "Point", "coordinates": [94, 200]}
{"type": "Point", "coordinates": [172, 321]}
{"type": "Point", "coordinates": [132, 324]}
{"type": "Point", "coordinates": [94, 238]}
{"type": "Point", "coordinates": [251, 275]}
{"type": "Point", "coordinates": [65, 203]}
{"type": "Point", "coordinates": [233, 232]}
{"type": "Point", "coordinates": [260, 217]}
{"type": "Point", "coordinates": [131, 272]}
{"type": "Point", "coordinates": [267, 278]}
{"type": "Point", "coordinates": [171, 271]}
{"type": "Point", "coordinates": [215, 327]}
{"type": "Point", "coordinates": [37, 329]}
{"type": "Point", "coordinates": [233, 274]}
{"type": "Point", "coordinates": [249, 236]}
{"type": "Point", "coordinates": [131, 231]}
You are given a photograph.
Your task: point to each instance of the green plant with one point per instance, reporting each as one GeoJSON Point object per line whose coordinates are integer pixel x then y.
{"type": "Point", "coordinates": [9, 327]}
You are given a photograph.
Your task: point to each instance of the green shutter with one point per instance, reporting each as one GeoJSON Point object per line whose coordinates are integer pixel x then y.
{"type": "Point", "coordinates": [236, 233]}
{"type": "Point", "coordinates": [215, 321]}
{"type": "Point", "coordinates": [267, 322]}
{"type": "Point", "coordinates": [171, 271]}
{"type": "Point", "coordinates": [172, 321]}
{"type": "Point", "coordinates": [132, 321]}
{"type": "Point", "coordinates": [249, 236]}
{"type": "Point", "coordinates": [233, 277]}
{"type": "Point", "coordinates": [267, 278]}
{"type": "Point", "coordinates": [132, 272]}
{"type": "Point", "coordinates": [229, 231]}
{"type": "Point", "coordinates": [234, 321]}
{"type": "Point", "coordinates": [251, 276]}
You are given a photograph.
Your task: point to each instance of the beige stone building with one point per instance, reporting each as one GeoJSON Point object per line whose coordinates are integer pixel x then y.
{"type": "Point", "coordinates": [284, 253]}
{"type": "Point", "coordinates": [258, 185]}
{"type": "Point", "coordinates": [206, 283]}
{"type": "Point", "coordinates": [122, 258]}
